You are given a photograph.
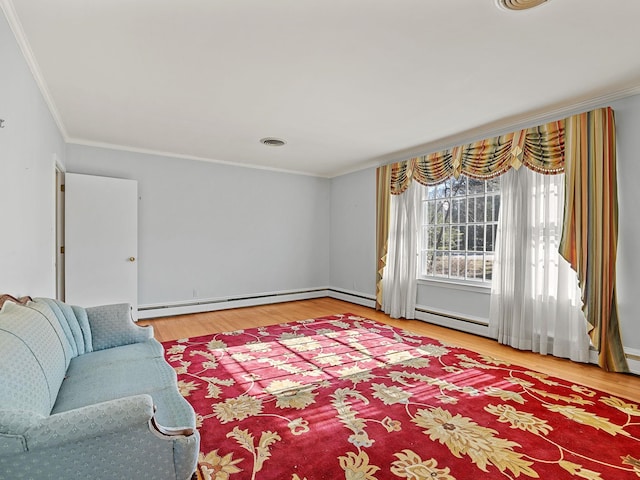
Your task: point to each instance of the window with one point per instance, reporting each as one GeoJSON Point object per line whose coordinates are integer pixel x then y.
{"type": "Point", "coordinates": [459, 221]}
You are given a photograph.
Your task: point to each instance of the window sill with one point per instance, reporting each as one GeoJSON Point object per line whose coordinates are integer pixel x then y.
{"type": "Point", "coordinates": [456, 285]}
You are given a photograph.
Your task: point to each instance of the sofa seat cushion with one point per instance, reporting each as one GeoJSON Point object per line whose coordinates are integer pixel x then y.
{"type": "Point", "coordinates": [121, 372]}
{"type": "Point", "coordinates": [129, 354]}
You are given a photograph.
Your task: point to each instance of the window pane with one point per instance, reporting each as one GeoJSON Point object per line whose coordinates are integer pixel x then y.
{"type": "Point", "coordinates": [475, 238]}
{"type": "Point", "coordinates": [442, 189]}
{"type": "Point", "coordinates": [458, 265]}
{"type": "Point", "coordinates": [431, 238]}
{"type": "Point", "coordinates": [459, 210]}
{"type": "Point", "coordinates": [493, 184]}
{"type": "Point", "coordinates": [479, 210]}
{"type": "Point", "coordinates": [480, 238]}
{"type": "Point", "coordinates": [441, 211]}
{"type": "Point", "coordinates": [441, 267]}
{"type": "Point", "coordinates": [475, 186]}
{"type": "Point", "coordinates": [490, 209]}
{"type": "Point", "coordinates": [454, 211]}
{"type": "Point", "coordinates": [432, 212]}
{"type": "Point", "coordinates": [491, 237]}
{"type": "Point", "coordinates": [458, 237]}
{"type": "Point", "coordinates": [488, 267]}
{"type": "Point", "coordinates": [446, 211]}
{"type": "Point", "coordinates": [459, 186]}
{"type": "Point", "coordinates": [440, 238]}
{"type": "Point", "coordinates": [471, 209]}
{"type": "Point", "coordinates": [474, 267]}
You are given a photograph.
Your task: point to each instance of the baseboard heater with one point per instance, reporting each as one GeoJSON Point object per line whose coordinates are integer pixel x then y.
{"type": "Point", "coordinates": [362, 296]}
{"type": "Point", "coordinates": [240, 298]}
{"type": "Point", "coordinates": [452, 316]}
{"type": "Point", "coordinates": [632, 355]}
{"type": "Point", "coordinates": [213, 304]}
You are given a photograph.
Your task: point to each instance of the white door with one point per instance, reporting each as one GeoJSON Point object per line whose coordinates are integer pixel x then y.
{"type": "Point", "coordinates": [101, 241]}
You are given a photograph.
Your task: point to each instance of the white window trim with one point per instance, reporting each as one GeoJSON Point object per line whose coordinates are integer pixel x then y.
{"type": "Point", "coordinates": [469, 286]}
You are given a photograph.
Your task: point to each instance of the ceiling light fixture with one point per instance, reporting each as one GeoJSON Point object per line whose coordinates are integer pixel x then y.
{"type": "Point", "coordinates": [272, 141]}
{"type": "Point", "coordinates": [519, 4]}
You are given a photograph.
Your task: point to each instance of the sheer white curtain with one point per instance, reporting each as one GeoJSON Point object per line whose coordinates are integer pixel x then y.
{"type": "Point", "coordinates": [535, 298]}
{"type": "Point", "coordinates": [399, 282]}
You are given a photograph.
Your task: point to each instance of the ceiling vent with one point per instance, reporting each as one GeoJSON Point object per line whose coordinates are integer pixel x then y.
{"type": "Point", "coordinates": [519, 4]}
{"type": "Point", "coordinates": [272, 142]}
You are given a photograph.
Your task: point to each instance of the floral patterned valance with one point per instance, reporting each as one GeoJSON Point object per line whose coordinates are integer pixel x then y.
{"type": "Point", "coordinates": [538, 148]}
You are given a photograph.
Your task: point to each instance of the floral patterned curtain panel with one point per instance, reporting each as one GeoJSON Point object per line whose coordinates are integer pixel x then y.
{"type": "Point", "coordinates": [589, 161]}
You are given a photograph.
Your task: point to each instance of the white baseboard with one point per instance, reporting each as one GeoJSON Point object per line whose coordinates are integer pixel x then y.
{"type": "Point", "coordinates": [358, 298]}
{"type": "Point", "coordinates": [633, 359]}
{"type": "Point", "coordinates": [634, 365]}
{"type": "Point", "coordinates": [214, 304]}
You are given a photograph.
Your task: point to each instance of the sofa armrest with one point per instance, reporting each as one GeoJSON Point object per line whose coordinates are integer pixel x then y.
{"type": "Point", "coordinates": [91, 421]}
{"type": "Point", "coordinates": [122, 430]}
{"type": "Point", "coordinates": [170, 431]}
{"type": "Point", "coordinates": [112, 326]}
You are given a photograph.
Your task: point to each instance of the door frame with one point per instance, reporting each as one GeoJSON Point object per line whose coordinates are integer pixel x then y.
{"type": "Point", "coordinates": [59, 172]}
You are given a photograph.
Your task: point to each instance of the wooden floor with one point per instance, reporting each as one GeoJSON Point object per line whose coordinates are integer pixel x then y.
{"type": "Point", "coordinates": [193, 325]}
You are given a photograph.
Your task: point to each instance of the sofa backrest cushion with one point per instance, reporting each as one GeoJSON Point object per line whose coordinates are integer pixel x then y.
{"type": "Point", "coordinates": [62, 329]}
{"type": "Point", "coordinates": [32, 364]}
{"type": "Point", "coordinates": [76, 319]}
{"type": "Point", "coordinates": [83, 321]}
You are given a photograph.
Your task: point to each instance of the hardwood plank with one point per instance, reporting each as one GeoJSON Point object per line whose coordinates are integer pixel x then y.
{"type": "Point", "coordinates": [197, 324]}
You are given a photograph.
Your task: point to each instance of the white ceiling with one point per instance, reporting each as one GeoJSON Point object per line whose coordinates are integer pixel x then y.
{"type": "Point", "coordinates": [347, 83]}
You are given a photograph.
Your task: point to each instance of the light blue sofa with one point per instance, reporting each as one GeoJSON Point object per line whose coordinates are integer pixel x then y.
{"type": "Point", "coordinates": [78, 392]}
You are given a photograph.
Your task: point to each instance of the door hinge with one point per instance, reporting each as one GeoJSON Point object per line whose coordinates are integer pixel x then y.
{"type": "Point", "coordinates": [62, 187]}
{"type": "Point", "coordinates": [61, 249]}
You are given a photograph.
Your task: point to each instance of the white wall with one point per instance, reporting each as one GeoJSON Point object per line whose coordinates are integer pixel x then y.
{"type": "Point", "coordinates": [627, 114]}
{"type": "Point", "coordinates": [211, 231]}
{"type": "Point", "coordinates": [353, 219]}
{"type": "Point", "coordinates": [28, 143]}
{"type": "Point", "coordinates": [474, 304]}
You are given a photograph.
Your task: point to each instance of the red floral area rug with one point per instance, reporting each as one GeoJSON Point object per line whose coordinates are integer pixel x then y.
{"type": "Point", "coordinates": [345, 397]}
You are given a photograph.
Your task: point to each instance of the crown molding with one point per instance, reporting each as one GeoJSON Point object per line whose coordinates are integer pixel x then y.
{"type": "Point", "coordinates": [160, 153]}
{"type": "Point", "coordinates": [18, 32]}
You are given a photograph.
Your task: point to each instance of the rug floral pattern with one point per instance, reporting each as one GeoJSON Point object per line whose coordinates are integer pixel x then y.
{"type": "Point", "coordinates": [345, 397]}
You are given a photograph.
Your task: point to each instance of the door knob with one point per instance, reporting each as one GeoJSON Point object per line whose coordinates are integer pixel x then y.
{"type": "Point", "coordinates": [132, 259]}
